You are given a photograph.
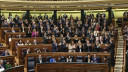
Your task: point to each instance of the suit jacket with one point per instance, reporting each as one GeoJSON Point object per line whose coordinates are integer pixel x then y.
{"type": "Point", "coordinates": [45, 16]}
{"type": "Point", "coordinates": [78, 49]}
{"type": "Point", "coordinates": [63, 48]}
{"type": "Point", "coordinates": [86, 59]}
{"type": "Point", "coordinates": [54, 47]}
{"type": "Point", "coordinates": [91, 16]}
{"type": "Point", "coordinates": [38, 61]}
{"type": "Point", "coordinates": [106, 40]}
{"type": "Point", "coordinates": [95, 60]}
{"type": "Point", "coordinates": [88, 48]}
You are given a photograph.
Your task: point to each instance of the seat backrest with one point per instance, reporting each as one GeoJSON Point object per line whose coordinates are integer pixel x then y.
{"type": "Point", "coordinates": [79, 58]}
{"type": "Point", "coordinates": [63, 59]}
{"type": "Point", "coordinates": [31, 63]}
{"type": "Point", "coordinates": [48, 58]}
{"type": "Point", "coordinates": [72, 58]}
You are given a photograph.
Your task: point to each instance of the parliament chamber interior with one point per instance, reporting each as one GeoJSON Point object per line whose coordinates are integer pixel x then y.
{"type": "Point", "coordinates": [63, 35]}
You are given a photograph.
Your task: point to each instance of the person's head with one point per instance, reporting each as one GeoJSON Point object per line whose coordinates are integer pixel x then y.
{"type": "Point", "coordinates": [7, 62]}
{"type": "Point", "coordinates": [105, 58]}
{"type": "Point", "coordinates": [61, 35]}
{"type": "Point", "coordinates": [72, 42]}
{"type": "Point", "coordinates": [28, 49]}
{"type": "Point", "coordinates": [88, 42]}
{"type": "Point", "coordinates": [91, 34]}
{"type": "Point", "coordinates": [53, 57]}
{"type": "Point", "coordinates": [40, 56]}
{"type": "Point", "coordinates": [20, 41]}
{"type": "Point", "coordinates": [1, 62]}
{"type": "Point", "coordinates": [83, 35]}
{"type": "Point", "coordinates": [106, 34]}
{"type": "Point", "coordinates": [54, 41]}
{"type": "Point", "coordinates": [59, 58]}
{"type": "Point", "coordinates": [34, 40]}
{"type": "Point", "coordinates": [88, 55]}
{"type": "Point", "coordinates": [94, 55]}
{"type": "Point", "coordinates": [69, 56]}
{"type": "Point", "coordinates": [79, 42]}
{"type": "Point", "coordinates": [27, 41]}
{"type": "Point", "coordinates": [6, 51]}
{"type": "Point", "coordinates": [34, 30]}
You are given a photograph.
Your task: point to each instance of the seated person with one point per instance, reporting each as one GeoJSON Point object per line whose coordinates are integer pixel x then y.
{"type": "Point", "coordinates": [97, 47]}
{"type": "Point", "coordinates": [106, 38]}
{"type": "Point", "coordinates": [7, 65]}
{"type": "Point", "coordinates": [45, 38]}
{"type": "Point", "coordinates": [27, 52]}
{"type": "Point", "coordinates": [1, 45]}
{"type": "Point", "coordinates": [59, 59]}
{"type": "Point", "coordinates": [13, 31]}
{"type": "Point", "coordinates": [52, 60]}
{"type": "Point", "coordinates": [54, 46]}
{"type": "Point", "coordinates": [83, 38]}
{"type": "Point", "coordinates": [88, 47]}
{"type": "Point", "coordinates": [105, 60]}
{"type": "Point", "coordinates": [6, 53]}
{"type": "Point", "coordinates": [95, 59]}
{"type": "Point", "coordinates": [27, 42]}
{"type": "Point", "coordinates": [34, 42]}
{"type": "Point", "coordinates": [20, 42]}
{"type": "Point", "coordinates": [69, 59]}
{"type": "Point", "coordinates": [71, 47]}
{"type": "Point", "coordinates": [88, 58]}
{"type": "Point", "coordinates": [75, 39]}
{"type": "Point", "coordinates": [92, 38]}
{"type": "Point", "coordinates": [1, 66]}
{"type": "Point", "coordinates": [79, 47]}
{"type": "Point", "coordinates": [34, 33]}
{"type": "Point", "coordinates": [63, 46]}
{"type": "Point", "coordinates": [67, 38]}
{"type": "Point", "coordinates": [40, 59]}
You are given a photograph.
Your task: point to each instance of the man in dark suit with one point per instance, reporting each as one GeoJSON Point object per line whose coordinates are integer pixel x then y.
{"type": "Point", "coordinates": [40, 17]}
{"type": "Point", "coordinates": [92, 38]}
{"type": "Point", "coordinates": [6, 53]}
{"type": "Point", "coordinates": [16, 19]}
{"type": "Point", "coordinates": [54, 46]}
{"type": "Point", "coordinates": [67, 38]}
{"type": "Point", "coordinates": [65, 16]}
{"type": "Point", "coordinates": [125, 13]}
{"type": "Point", "coordinates": [40, 59]}
{"type": "Point", "coordinates": [88, 47]}
{"type": "Point", "coordinates": [111, 49]}
{"type": "Point", "coordinates": [88, 58]}
{"type": "Point", "coordinates": [45, 16]}
{"type": "Point", "coordinates": [27, 52]}
{"type": "Point", "coordinates": [63, 46]}
{"type": "Point", "coordinates": [95, 59]}
{"type": "Point", "coordinates": [106, 38]}
{"type": "Point", "coordinates": [91, 15]}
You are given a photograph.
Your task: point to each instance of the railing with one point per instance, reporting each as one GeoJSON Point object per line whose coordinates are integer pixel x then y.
{"type": "Point", "coordinates": [124, 63]}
